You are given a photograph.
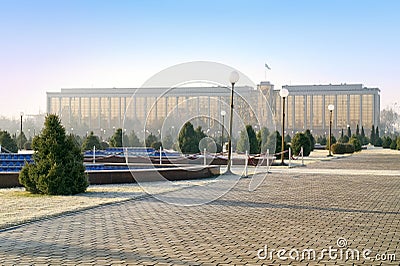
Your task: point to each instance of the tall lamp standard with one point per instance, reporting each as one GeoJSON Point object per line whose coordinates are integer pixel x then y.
{"type": "Point", "coordinates": [234, 77]}
{"type": "Point", "coordinates": [223, 113]}
{"type": "Point", "coordinates": [20, 144]}
{"type": "Point", "coordinates": [284, 93]}
{"type": "Point", "coordinates": [331, 107]}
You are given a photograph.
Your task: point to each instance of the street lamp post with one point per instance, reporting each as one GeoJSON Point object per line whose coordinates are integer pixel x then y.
{"type": "Point", "coordinates": [234, 77]}
{"type": "Point", "coordinates": [331, 107]}
{"type": "Point", "coordinates": [223, 113]}
{"type": "Point", "coordinates": [284, 93]}
{"type": "Point", "coordinates": [20, 140]}
{"type": "Point", "coordinates": [21, 114]}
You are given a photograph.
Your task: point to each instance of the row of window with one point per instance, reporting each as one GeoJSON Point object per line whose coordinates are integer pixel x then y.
{"type": "Point", "coordinates": [308, 111]}
{"type": "Point", "coordinates": [311, 111]}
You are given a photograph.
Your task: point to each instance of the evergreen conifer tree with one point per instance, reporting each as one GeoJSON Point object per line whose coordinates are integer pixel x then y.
{"type": "Point", "coordinates": [248, 141]}
{"type": "Point", "coordinates": [188, 138]}
{"type": "Point", "coordinates": [150, 139]}
{"type": "Point", "coordinates": [262, 138]}
{"type": "Point", "coordinates": [90, 142]}
{"type": "Point", "coordinates": [119, 139]}
{"type": "Point", "coordinates": [301, 140]}
{"type": "Point", "coordinates": [372, 137]}
{"type": "Point", "coordinates": [312, 139]}
{"type": "Point", "coordinates": [349, 132]}
{"type": "Point", "coordinates": [21, 140]}
{"type": "Point", "coordinates": [7, 142]}
{"type": "Point", "coordinates": [134, 141]}
{"type": "Point", "coordinates": [58, 163]}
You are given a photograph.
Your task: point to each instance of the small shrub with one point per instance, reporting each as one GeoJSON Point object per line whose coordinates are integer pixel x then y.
{"type": "Point", "coordinates": [378, 142]}
{"type": "Point", "coordinates": [301, 140]}
{"type": "Point", "coordinates": [349, 148]}
{"type": "Point", "coordinates": [311, 137]}
{"type": "Point", "coordinates": [156, 145]}
{"type": "Point", "coordinates": [398, 143]}
{"type": "Point", "coordinates": [344, 139]}
{"type": "Point", "coordinates": [356, 143]}
{"type": "Point", "coordinates": [338, 148]}
{"type": "Point", "coordinates": [322, 140]}
{"type": "Point", "coordinates": [342, 148]}
{"type": "Point", "coordinates": [393, 145]}
{"type": "Point", "coordinates": [387, 141]}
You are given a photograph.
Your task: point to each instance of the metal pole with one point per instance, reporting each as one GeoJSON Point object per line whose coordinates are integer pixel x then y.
{"type": "Point", "coordinates": [283, 132]}
{"type": "Point", "coordinates": [21, 124]}
{"type": "Point", "coordinates": [222, 136]}
{"type": "Point", "coordinates": [230, 133]}
{"type": "Point", "coordinates": [302, 155]}
{"type": "Point", "coordinates": [20, 139]}
{"type": "Point", "coordinates": [290, 157]}
{"type": "Point", "coordinates": [330, 133]}
{"type": "Point", "coordinates": [94, 154]}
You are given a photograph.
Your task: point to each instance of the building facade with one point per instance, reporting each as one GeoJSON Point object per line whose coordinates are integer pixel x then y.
{"type": "Point", "coordinates": [101, 110]}
{"type": "Point", "coordinates": [307, 107]}
{"type": "Point", "coordinates": [104, 110]}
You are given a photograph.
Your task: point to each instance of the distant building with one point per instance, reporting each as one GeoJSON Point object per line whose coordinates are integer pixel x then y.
{"type": "Point", "coordinates": [105, 109]}
{"type": "Point", "coordinates": [307, 107]}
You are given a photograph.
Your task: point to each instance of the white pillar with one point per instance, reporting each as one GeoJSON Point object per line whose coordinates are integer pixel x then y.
{"type": "Point", "coordinates": [160, 155]}
{"type": "Point", "coordinates": [205, 159]}
{"type": "Point", "coordinates": [94, 154]}
{"type": "Point", "coordinates": [246, 163]}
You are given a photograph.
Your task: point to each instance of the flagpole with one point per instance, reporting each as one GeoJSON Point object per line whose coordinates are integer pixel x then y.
{"type": "Point", "coordinates": [265, 71]}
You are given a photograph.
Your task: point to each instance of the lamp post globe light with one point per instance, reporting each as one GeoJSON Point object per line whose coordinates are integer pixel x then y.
{"type": "Point", "coordinates": [284, 93]}
{"type": "Point", "coordinates": [223, 113]}
{"type": "Point", "coordinates": [233, 78]}
{"type": "Point", "coordinates": [331, 107]}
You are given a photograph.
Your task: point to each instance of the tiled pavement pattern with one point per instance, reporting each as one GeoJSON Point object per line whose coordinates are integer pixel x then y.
{"type": "Point", "coordinates": [288, 210]}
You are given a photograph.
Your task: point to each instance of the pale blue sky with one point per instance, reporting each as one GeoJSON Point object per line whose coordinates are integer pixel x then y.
{"type": "Point", "coordinates": [47, 45]}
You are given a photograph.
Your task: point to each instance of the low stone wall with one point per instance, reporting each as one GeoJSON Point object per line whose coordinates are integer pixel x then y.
{"type": "Point", "coordinates": [8, 180]}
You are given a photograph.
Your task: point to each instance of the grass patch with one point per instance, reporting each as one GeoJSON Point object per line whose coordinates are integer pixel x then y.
{"type": "Point", "coordinates": [26, 194]}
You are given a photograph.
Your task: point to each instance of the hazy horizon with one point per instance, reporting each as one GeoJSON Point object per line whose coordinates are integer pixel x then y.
{"type": "Point", "coordinates": [49, 45]}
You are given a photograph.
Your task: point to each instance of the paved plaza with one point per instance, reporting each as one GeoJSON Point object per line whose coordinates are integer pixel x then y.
{"type": "Point", "coordinates": [313, 215]}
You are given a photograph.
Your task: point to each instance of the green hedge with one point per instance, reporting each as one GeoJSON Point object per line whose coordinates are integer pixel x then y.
{"type": "Point", "coordinates": [342, 148]}
{"type": "Point", "coordinates": [356, 143]}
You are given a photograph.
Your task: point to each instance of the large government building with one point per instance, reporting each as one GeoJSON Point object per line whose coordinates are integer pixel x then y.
{"type": "Point", "coordinates": [103, 110]}
{"type": "Point", "coordinates": [307, 107]}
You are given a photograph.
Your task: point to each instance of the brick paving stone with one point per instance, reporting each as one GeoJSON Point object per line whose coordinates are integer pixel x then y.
{"type": "Point", "coordinates": [292, 209]}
